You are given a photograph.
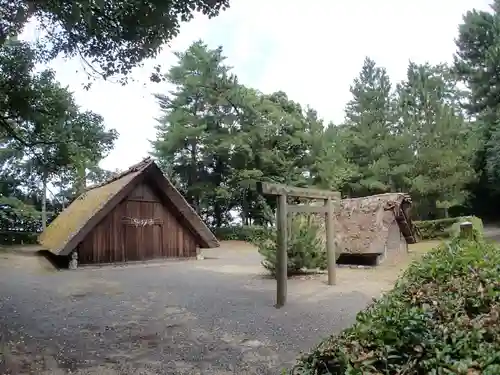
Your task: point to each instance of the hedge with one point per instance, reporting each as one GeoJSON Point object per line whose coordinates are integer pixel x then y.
{"type": "Point", "coordinates": [442, 317]}
{"type": "Point", "coordinates": [442, 228]}
{"type": "Point", "coordinates": [18, 238]}
{"type": "Point", "coordinates": [249, 233]}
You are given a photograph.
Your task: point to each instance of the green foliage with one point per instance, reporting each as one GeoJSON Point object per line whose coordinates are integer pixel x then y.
{"type": "Point", "coordinates": [248, 233]}
{"type": "Point", "coordinates": [444, 228]}
{"type": "Point", "coordinates": [217, 138]}
{"type": "Point", "coordinates": [39, 119]}
{"type": "Point", "coordinates": [477, 228]}
{"type": "Point", "coordinates": [369, 139]}
{"type": "Point", "coordinates": [442, 317]}
{"type": "Point", "coordinates": [18, 238]}
{"type": "Point", "coordinates": [115, 36]}
{"type": "Point", "coordinates": [435, 229]}
{"type": "Point", "coordinates": [13, 209]}
{"type": "Point", "coordinates": [305, 249]}
{"type": "Point", "coordinates": [476, 64]}
{"type": "Point", "coordinates": [44, 136]}
{"type": "Point", "coordinates": [440, 139]}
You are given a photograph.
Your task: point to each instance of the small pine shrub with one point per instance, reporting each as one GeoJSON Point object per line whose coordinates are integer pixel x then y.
{"type": "Point", "coordinates": [305, 248]}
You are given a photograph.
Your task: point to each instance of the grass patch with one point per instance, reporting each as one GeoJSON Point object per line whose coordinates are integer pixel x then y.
{"type": "Point", "coordinates": [422, 247]}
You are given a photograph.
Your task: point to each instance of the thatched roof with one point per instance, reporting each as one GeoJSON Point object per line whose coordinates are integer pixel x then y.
{"type": "Point", "coordinates": [362, 224]}
{"type": "Point", "coordinates": [79, 218]}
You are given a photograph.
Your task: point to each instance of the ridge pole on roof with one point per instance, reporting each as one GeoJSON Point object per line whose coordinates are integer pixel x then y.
{"type": "Point", "coordinates": [283, 209]}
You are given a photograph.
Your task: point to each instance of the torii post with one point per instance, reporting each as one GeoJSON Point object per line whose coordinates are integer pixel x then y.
{"type": "Point", "coordinates": [283, 209]}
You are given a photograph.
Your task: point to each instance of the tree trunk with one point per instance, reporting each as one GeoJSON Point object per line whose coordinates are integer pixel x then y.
{"type": "Point", "coordinates": [44, 200]}
{"type": "Point", "coordinates": [193, 176]}
{"type": "Point", "coordinates": [81, 179]}
{"type": "Point", "coordinates": [218, 209]}
{"type": "Point", "coordinates": [244, 208]}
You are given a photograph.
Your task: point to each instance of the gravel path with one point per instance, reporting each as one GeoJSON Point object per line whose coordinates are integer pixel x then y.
{"type": "Point", "coordinates": [194, 317]}
{"type": "Point", "coordinates": [492, 232]}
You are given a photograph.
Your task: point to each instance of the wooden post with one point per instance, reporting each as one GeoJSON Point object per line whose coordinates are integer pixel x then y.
{"type": "Point", "coordinates": [281, 256]}
{"type": "Point", "coordinates": [282, 192]}
{"type": "Point", "coordinates": [330, 242]}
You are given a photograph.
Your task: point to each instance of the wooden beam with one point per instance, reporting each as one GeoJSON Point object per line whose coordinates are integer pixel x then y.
{"type": "Point", "coordinates": [267, 188]}
{"type": "Point", "coordinates": [299, 208]}
{"type": "Point", "coordinates": [331, 253]}
{"type": "Point", "coordinates": [281, 256]}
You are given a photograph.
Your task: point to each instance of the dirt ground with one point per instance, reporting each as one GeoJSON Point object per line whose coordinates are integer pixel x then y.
{"type": "Point", "coordinates": [211, 316]}
{"type": "Point", "coordinates": [243, 258]}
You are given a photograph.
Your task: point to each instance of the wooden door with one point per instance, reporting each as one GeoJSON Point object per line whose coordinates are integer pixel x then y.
{"type": "Point", "coordinates": [143, 234]}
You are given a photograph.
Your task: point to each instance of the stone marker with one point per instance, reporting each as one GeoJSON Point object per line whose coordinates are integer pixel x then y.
{"type": "Point", "coordinates": [466, 230]}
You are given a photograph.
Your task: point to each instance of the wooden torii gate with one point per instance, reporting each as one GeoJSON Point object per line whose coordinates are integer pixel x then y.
{"type": "Point", "coordinates": [283, 209]}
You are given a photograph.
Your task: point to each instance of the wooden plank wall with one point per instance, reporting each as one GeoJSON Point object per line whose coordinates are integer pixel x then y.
{"type": "Point", "coordinates": [114, 239]}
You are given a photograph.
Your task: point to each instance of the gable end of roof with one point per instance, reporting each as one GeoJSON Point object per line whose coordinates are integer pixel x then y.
{"type": "Point", "coordinates": [75, 222]}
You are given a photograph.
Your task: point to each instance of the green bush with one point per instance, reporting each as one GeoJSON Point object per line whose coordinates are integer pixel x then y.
{"type": "Point", "coordinates": [305, 247]}
{"type": "Point", "coordinates": [442, 317]}
{"type": "Point", "coordinates": [442, 228]}
{"type": "Point", "coordinates": [18, 238]}
{"type": "Point", "coordinates": [249, 233]}
{"type": "Point", "coordinates": [477, 227]}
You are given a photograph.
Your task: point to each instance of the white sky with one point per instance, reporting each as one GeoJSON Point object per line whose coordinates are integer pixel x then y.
{"type": "Point", "coordinates": [311, 50]}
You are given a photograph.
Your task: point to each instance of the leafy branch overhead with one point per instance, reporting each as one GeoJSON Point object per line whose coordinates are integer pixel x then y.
{"type": "Point", "coordinates": [112, 36]}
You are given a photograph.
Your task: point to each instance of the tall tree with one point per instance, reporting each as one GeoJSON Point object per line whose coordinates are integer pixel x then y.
{"type": "Point", "coordinates": [93, 142]}
{"type": "Point", "coordinates": [476, 62]}
{"type": "Point", "coordinates": [440, 138]}
{"type": "Point", "coordinates": [374, 143]}
{"type": "Point", "coordinates": [194, 133]}
{"type": "Point", "coordinates": [42, 122]}
{"type": "Point", "coordinates": [332, 169]}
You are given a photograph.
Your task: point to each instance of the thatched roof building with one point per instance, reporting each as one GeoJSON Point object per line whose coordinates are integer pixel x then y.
{"type": "Point", "coordinates": [134, 216]}
{"type": "Point", "coordinates": [374, 225]}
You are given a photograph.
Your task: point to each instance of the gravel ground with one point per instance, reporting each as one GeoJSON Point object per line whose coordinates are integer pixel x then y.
{"type": "Point", "coordinates": [214, 316]}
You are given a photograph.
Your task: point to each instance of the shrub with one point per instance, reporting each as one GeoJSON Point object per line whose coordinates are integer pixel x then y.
{"type": "Point", "coordinates": [477, 227]}
{"type": "Point", "coordinates": [249, 233]}
{"type": "Point", "coordinates": [305, 247]}
{"type": "Point", "coordinates": [442, 228]}
{"type": "Point", "coordinates": [442, 317]}
{"type": "Point", "coordinates": [18, 238]}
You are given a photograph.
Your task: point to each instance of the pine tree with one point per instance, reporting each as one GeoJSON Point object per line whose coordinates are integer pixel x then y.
{"type": "Point", "coordinates": [373, 142]}
{"type": "Point", "coordinates": [476, 62]}
{"type": "Point", "coordinates": [439, 135]}
{"type": "Point", "coordinates": [194, 134]}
